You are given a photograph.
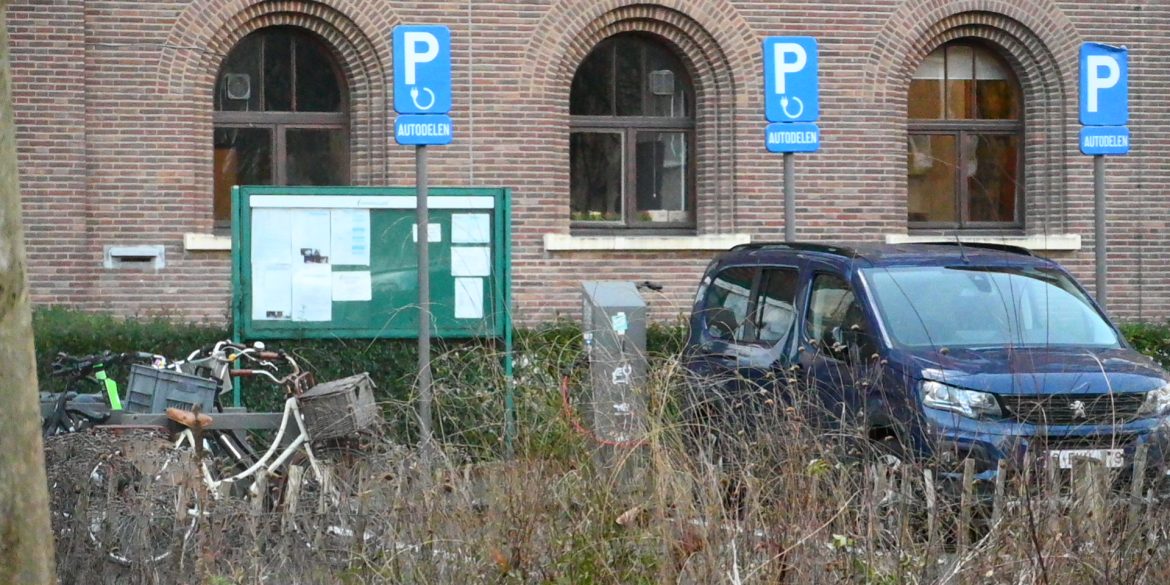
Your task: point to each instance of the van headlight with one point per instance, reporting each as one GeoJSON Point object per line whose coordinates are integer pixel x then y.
{"type": "Point", "coordinates": [968, 403]}
{"type": "Point", "coordinates": [1157, 402]}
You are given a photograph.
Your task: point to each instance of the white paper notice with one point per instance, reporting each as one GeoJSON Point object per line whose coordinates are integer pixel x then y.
{"type": "Point", "coordinates": [470, 228]}
{"type": "Point", "coordinates": [312, 293]}
{"type": "Point", "coordinates": [471, 261]}
{"type": "Point", "coordinates": [271, 236]}
{"type": "Point", "coordinates": [352, 286]}
{"type": "Point", "coordinates": [310, 236]}
{"type": "Point", "coordinates": [434, 232]}
{"type": "Point", "coordinates": [350, 237]}
{"type": "Point", "coordinates": [272, 292]}
{"type": "Point", "coordinates": [468, 298]}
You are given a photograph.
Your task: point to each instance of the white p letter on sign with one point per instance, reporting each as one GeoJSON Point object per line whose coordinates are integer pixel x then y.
{"type": "Point", "coordinates": [413, 56]}
{"type": "Point", "coordinates": [781, 67]}
{"type": "Point", "coordinates": [1096, 83]}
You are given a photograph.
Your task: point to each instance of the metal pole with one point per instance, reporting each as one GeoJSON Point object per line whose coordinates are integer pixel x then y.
{"type": "Point", "coordinates": [424, 304]}
{"type": "Point", "coordinates": [1099, 231]}
{"type": "Point", "coordinates": [789, 198]}
{"type": "Point", "coordinates": [509, 393]}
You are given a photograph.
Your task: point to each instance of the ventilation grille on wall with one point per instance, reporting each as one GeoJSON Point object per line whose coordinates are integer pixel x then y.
{"type": "Point", "coordinates": [146, 256]}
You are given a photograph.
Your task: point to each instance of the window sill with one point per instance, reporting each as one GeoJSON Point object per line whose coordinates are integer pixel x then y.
{"type": "Point", "coordinates": [194, 242]}
{"type": "Point", "coordinates": [1039, 242]}
{"type": "Point", "coordinates": [568, 242]}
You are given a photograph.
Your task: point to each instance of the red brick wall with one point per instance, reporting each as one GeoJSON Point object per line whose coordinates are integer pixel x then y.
{"type": "Point", "coordinates": [114, 107]}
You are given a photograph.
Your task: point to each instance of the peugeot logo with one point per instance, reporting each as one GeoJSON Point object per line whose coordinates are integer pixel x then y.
{"type": "Point", "coordinates": [1078, 408]}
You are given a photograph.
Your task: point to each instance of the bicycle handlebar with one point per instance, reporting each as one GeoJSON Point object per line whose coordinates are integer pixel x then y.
{"type": "Point", "coordinates": [289, 382]}
{"type": "Point", "coordinates": [65, 364]}
{"type": "Point", "coordinates": [230, 351]}
{"type": "Point", "coordinates": [224, 352]}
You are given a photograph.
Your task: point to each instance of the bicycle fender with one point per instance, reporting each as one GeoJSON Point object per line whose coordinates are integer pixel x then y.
{"type": "Point", "coordinates": [95, 411]}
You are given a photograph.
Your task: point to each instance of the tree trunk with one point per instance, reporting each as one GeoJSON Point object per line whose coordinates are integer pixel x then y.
{"type": "Point", "coordinates": [26, 542]}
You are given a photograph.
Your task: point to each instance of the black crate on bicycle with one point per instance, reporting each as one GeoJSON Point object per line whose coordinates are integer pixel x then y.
{"type": "Point", "coordinates": [152, 390]}
{"type": "Point", "coordinates": [339, 408]}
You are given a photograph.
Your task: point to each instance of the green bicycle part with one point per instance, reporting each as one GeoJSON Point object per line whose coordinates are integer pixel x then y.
{"type": "Point", "coordinates": [111, 386]}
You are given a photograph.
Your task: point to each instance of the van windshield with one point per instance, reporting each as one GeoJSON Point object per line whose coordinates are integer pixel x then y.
{"type": "Point", "coordinates": [976, 307]}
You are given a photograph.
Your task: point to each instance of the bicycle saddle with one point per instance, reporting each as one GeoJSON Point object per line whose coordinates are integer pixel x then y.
{"type": "Point", "coordinates": [189, 419]}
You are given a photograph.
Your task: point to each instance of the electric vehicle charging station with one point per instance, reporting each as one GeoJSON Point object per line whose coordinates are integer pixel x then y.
{"type": "Point", "coordinates": [614, 328]}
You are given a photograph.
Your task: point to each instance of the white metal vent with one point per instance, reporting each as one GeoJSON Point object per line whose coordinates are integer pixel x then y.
{"type": "Point", "coordinates": [144, 256]}
{"type": "Point", "coordinates": [238, 86]}
{"type": "Point", "coordinates": [662, 82]}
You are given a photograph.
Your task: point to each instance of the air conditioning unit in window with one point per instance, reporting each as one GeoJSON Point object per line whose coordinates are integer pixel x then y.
{"type": "Point", "coordinates": [237, 86]}
{"type": "Point", "coordinates": [662, 82]}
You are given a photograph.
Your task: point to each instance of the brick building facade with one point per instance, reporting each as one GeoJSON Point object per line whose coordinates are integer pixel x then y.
{"type": "Point", "coordinates": [117, 107]}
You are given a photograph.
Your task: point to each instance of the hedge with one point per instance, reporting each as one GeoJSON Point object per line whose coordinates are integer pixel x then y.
{"type": "Point", "coordinates": [1150, 339]}
{"type": "Point", "coordinates": [468, 374]}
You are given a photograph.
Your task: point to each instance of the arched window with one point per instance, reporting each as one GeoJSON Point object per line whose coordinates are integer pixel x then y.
{"type": "Point", "coordinates": [280, 115]}
{"type": "Point", "coordinates": [632, 136]}
{"type": "Point", "coordinates": [965, 142]}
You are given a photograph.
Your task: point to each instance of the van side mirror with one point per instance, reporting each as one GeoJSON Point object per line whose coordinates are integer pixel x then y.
{"type": "Point", "coordinates": [838, 341]}
{"type": "Point", "coordinates": [850, 344]}
{"type": "Point", "coordinates": [721, 323]}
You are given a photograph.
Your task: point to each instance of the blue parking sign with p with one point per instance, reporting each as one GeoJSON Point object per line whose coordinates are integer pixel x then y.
{"type": "Point", "coordinates": [1104, 85]}
{"type": "Point", "coordinates": [791, 92]}
{"type": "Point", "coordinates": [422, 69]}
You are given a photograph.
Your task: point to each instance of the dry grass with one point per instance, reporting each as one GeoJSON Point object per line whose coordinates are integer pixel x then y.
{"type": "Point", "coordinates": [793, 504]}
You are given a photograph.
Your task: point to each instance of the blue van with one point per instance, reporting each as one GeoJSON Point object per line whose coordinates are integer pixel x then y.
{"type": "Point", "coordinates": [948, 351]}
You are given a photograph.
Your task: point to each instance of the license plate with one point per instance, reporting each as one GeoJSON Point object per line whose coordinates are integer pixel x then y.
{"type": "Point", "coordinates": [1112, 458]}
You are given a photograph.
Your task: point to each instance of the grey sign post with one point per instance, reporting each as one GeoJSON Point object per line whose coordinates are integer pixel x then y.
{"type": "Point", "coordinates": [792, 104]}
{"type": "Point", "coordinates": [422, 98]}
{"type": "Point", "coordinates": [1104, 115]}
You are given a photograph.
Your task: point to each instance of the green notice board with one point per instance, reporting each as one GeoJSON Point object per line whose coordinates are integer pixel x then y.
{"type": "Point", "coordinates": [325, 262]}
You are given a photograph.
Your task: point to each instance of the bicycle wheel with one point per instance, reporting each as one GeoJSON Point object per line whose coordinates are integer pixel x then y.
{"type": "Point", "coordinates": [227, 455]}
{"type": "Point", "coordinates": [325, 517]}
{"type": "Point", "coordinates": [141, 506]}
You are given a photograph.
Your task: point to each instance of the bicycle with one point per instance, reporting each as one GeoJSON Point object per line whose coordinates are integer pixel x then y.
{"type": "Point", "coordinates": [294, 384]}
{"type": "Point", "coordinates": [214, 362]}
{"type": "Point", "coordinates": [299, 480]}
{"type": "Point", "coordinates": [171, 490]}
{"type": "Point", "coordinates": [138, 504]}
{"type": "Point", "coordinates": [78, 408]}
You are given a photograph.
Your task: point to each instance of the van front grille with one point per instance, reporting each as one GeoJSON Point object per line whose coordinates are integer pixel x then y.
{"type": "Point", "coordinates": [1074, 409]}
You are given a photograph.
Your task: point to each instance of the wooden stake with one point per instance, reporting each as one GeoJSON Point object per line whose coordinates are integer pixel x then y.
{"type": "Point", "coordinates": [965, 503]}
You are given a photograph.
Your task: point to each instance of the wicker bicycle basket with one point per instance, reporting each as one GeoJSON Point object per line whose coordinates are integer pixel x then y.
{"type": "Point", "coordinates": [339, 408]}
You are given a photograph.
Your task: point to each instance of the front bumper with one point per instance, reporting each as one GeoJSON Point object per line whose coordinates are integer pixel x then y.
{"type": "Point", "coordinates": [953, 439]}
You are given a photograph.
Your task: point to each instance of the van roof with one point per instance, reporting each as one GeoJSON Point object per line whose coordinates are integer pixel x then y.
{"type": "Point", "coordinates": [934, 253]}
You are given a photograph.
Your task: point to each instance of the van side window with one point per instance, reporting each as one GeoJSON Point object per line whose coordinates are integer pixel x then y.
{"type": "Point", "coordinates": [774, 307]}
{"type": "Point", "coordinates": [831, 298]}
{"type": "Point", "coordinates": [727, 305]}
{"type": "Point", "coordinates": [837, 322]}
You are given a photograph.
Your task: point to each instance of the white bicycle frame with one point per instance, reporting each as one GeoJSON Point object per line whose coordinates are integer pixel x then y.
{"type": "Point", "coordinates": [291, 411]}
{"type": "Point", "coordinates": [219, 362]}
